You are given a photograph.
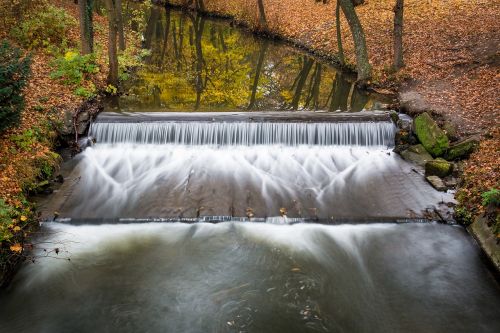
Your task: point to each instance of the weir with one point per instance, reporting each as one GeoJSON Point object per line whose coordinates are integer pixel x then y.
{"type": "Point", "coordinates": [284, 128]}
{"type": "Point", "coordinates": [279, 222]}
{"type": "Point", "coordinates": [314, 166]}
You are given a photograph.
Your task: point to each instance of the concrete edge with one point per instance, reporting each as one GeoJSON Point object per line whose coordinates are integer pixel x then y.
{"type": "Point", "coordinates": [484, 236]}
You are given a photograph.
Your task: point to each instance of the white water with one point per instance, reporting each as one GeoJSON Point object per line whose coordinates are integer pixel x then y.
{"type": "Point", "coordinates": [126, 180]}
{"type": "Point", "coordinates": [244, 133]}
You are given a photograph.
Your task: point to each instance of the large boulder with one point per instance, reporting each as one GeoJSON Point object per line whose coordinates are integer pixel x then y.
{"type": "Point", "coordinates": [439, 167]}
{"type": "Point", "coordinates": [462, 149]}
{"type": "Point", "coordinates": [430, 135]}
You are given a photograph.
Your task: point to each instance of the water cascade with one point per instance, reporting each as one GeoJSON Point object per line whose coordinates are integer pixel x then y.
{"type": "Point", "coordinates": [320, 184]}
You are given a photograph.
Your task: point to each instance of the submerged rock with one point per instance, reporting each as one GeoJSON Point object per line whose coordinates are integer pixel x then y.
{"type": "Point", "coordinates": [430, 135]}
{"type": "Point", "coordinates": [438, 167]}
{"type": "Point", "coordinates": [462, 149]}
{"type": "Point", "coordinates": [437, 183]}
{"type": "Point", "coordinates": [416, 154]}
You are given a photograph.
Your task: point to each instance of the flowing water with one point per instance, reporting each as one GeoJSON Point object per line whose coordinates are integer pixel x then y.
{"type": "Point", "coordinates": [251, 277]}
{"type": "Point", "coordinates": [268, 176]}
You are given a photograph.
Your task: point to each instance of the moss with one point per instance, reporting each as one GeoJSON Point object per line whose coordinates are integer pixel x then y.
{"type": "Point", "coordinates": [438, 167]}
{"type": "Point", "coordinates": [462, 149]}
{"type": "Point", "coordinates": [430, 135]}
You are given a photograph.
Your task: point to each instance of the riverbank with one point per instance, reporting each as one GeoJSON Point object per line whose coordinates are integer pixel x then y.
{"type": "Point", "coordinates": [452, 66]}
{"type": "Point", "coordinates": [53, 112]}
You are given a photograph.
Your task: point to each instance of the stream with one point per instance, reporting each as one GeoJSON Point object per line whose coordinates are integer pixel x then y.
{"type": "Point", "coordinates": [240, 185]}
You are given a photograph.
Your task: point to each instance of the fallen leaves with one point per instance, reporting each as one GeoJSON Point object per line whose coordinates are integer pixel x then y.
{"type": "Point", "coordinates": [17, 248]}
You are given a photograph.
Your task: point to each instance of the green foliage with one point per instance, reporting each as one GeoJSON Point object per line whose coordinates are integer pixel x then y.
{"type": "Point", "coordinates": [44, 27]}
{"type": "Point", "coordinates": [491, 197]}
{"type": "Point", "coordinates": [73, 67]}
{"type": "Point", "coordinates": [463, 215]}
{"type": "Point", "coordinates": [86, 92]}
{"type": "Point", "coordinates": [7, 213]}
{"type": "Point", "coordinates": [111, 89]}
{"type": "Point", "coordinates": [14, 72]}
{"type": "Point", "coordinates": [25, 140]}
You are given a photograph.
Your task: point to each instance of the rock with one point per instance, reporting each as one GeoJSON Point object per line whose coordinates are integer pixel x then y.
{"type": "Point", "coordinates": [412, 103]}
{"type": "Point", "coordinates": [394, 116]}
{"type": "Point", "coordinates": [67, 127]}
{"type": "Point", "coordinates": [405, 122]}
{"type": "Point", "coordinates": [416, 154]}
{"type": "Point", "coordinates": [462, 149]}
{"type": "Point", "coordinates": [451, 130]}
{"type": "Point", "coordinates": [436, 182]}
{"type": "Point", "coordinates": [430, 135]}
{"type": "Point", "coordinates": [451, 182]}
{"type": "Point", "coordinates": [418, 149]}
{"type": "Point", "coordinates": [439, 167]}
{"type": "Point", "coordinates": [83, 116]}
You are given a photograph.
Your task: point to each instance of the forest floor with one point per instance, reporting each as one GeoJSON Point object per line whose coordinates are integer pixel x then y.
{"type": "Point", "coordinates": [27, 155]}
{"type": "Point", "coordinates": [451, 54]}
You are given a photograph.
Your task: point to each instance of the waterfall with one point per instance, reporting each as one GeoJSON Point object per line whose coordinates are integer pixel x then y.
{"type": "Point", "coordinates": [246, 133]}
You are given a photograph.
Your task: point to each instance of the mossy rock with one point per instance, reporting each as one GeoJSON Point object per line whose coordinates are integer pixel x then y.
{"type": "Point", "coordinates": [430, 135]}
{"type": "Point", "coordinates": [462, 149]}
{"type": "Point", "coordinates": [439, 167]}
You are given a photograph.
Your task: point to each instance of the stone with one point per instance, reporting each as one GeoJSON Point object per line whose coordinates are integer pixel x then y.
{"type": "Point", "coordinates": [430, 135]}
{"type": "Point", "coordinates": [67, 126]}
{"type": "Point", "coordinates": [451, 130]}
{"type": "Point", "coordinates": [416, 154]}
{"type": "Point", "coordinates": [462, 149]}
{"type": "Point", "coordinates": [438, 167]}
{"type": "Point", "coordinates": [412, 103]}
{"type": "Point", "coordinates": [394, 116]}
{"type": "Point", "coordinates": [451, 182]}
{"type": "Point", "coordinates": [83, 116]}
{"type": "Point", "coordinates": [437, 183]}
{"type": "Point", "coordinates": [418, 149]}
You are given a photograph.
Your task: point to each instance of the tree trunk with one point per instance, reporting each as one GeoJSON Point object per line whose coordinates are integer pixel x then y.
{"type": "Point", "coordinates": [398, 35]}
{"type": "Point", "coordinates": [112, 50]}
{"type": "Point", "coordinates": [262, 15]}
{"type": "Point", "coordinates": [258, 70]}
{"type": "Point", "coordinates": [339, 35]}
{"type": "Point", "coordinates": [119, 23]}
{"type": "Point", "coordinates": [85, 8]}
{"type": "Point", "coordinates": [362, 63]}
{"type": "Point", "coordinates": [308, 63]}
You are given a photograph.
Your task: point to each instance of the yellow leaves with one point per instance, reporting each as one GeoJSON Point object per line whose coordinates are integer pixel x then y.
{"type": "Point", "coordinates": [23, 218]}
{"type": "Point", "coordinates": [70, 55]}
{"type": "Point", "coordinates": [16, 228]}
{"type": "Point", "coordinates": [17, 248]}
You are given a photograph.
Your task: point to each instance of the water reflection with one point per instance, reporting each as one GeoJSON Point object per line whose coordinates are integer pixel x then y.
{"type": "Point", "coordinates": [204, 64]}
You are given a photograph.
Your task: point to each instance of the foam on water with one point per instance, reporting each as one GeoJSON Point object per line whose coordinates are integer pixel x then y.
{"type": "Point", "coordinates": [246, 133]}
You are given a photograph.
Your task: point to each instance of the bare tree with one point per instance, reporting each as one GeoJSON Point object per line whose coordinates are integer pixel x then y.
{"type": "Point", "coordinates": [398, 35]}
{"type": "Point", "coordinates": [262, 15]}
{"type": "Point", "coordinates": [363, 66]}
{"type": "Point", "coordinates": [85, 8]}
{"type": "Point", "coordinates": [119, 24]}
{"type": "Point", "coordinates": [112, 38]}
{"type": "Point", "coordinates": [258, 71]}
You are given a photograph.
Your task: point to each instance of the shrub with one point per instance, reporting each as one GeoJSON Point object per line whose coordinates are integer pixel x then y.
{"type": "Point", "coordinates": [14, 72]}
{"type": "Point", "coordinates": [491, 197]}
{"type": "Point", "coordinates": [73, 67]}
{"type": "Point", "coordinates": [44, 27]}
{"type": "Point", "coordinates": [7, 213]}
